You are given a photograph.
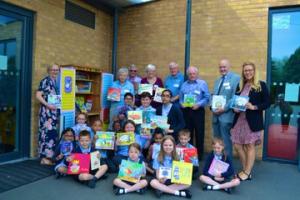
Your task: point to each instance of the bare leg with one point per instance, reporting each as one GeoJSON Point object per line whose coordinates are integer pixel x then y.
{"type": "Point", "coordinates": [208, 180]}
{"type": "Point", "coordinates": [62, 170]}
{"type": "Point", "coordinates": [171, 189]}
{"type": "Point", "coordinates": [250, 157]}
{"type": "Point", "coordinates": [101, 171]}
{"type": "Point", "coordinates": [139, 185]}
{"type": "Point", "coordinates": [118, 182]}
{"type": "Point", "coordinates": [85, 177]}
{"type": "Point", "coordinates": [233, 183]}
{"type": "Point", "coordinates": [242, 155]}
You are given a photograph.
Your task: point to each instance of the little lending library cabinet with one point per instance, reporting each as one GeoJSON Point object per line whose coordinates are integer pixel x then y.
{"type": "Point", "coordinates": [86, 98]}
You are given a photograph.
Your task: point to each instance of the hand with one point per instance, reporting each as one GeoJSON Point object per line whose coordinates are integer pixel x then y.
{"type": "Point", "coordinates": [195, 107]}
{"type": "Point", "coordinates": [60, 156]}
{"type": "Point", "coordinates": [50, 107]}
{"type": "Point", "coordinates": [219, 111]}
{"type": "Point", "coordinates": [250, 106]}
{"type": "Point", "coordinates": [69, 158]}
{"type": "Point", "coordinates": [236, 110]}
{"type": "Point", "coordinates": [168, 131]}
{"type": "Point", "coordinates": [162, 180]}
{"type": "Point", "coordinates": [98, 155]}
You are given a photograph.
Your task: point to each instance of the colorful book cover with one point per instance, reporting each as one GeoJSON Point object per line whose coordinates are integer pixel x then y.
{"type": "Point", "coordinates": [165, 172]}
{"type": "Point", "coordinates": [54, 100]}
{"type": "Point", "coordinates": [136, 116]}
{"type": "Point", "coordinates": [114, 94]}
{"type": "Point", "coordinates": [157, 95]}
{"type": "Point", "coordinates": [126, 138]}
{"type": "Point", "coordinates": [89, 105]}
{"type": "Point", "coordinates": [239, 102]}
{"type": "Point", "coordinates": [95, 160]}
{"type": "Point", "coordinates": [130, 171]}
{"type": "Point", "coordinates": [80, 163]}
{"type": "Point", "coordinates": [106, 140]}
{"type": "Point", "coordinates": [218, 102]}
{"type": "Point", "coordinates": [160, 121]}
{"type": "Point", "coordinates": [80, 104]}
{"type": "Point", "coordinates": [156, 150]}
{"type": "Point", "coordinates": [190, 155]}
{"type": "Point", "coordinates": [217, 167]}
{"type": "Point", "coordinates": [145, 88]}
{"type": "Point", "coordinates": [147, 115]}
{"type": "Point", "coordinates": [182, 172]}
{"type": "Point", "coordinates": [146, 130]}
{"type": "Point", "coordinates": [189, 100]}
{"type": "Point", "coordinates": [84, 87]}
{"type": "Point", "coordinates": [66, 148]}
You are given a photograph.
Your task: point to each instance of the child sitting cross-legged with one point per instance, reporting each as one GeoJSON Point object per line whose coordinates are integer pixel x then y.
{"type": "Point", "coordinates": [213, 178]}
{"type": "Point", "coordinates": [123, 186]}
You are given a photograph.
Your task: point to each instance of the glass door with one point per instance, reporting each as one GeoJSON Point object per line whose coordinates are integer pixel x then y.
{"type": "Point", "coordinates": [15, 82]}
{"type": "Point", "coordinates": [283, 117]}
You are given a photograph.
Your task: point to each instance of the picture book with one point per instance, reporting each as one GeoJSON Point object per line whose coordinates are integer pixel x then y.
{"type": "Point", "coordinates": [189, 100]}
{"type": "Point", "coordinates": [66, 148]}
{"type": "Point", "coordinates": [239, 102]}
{"type": "Point", "coordinates": [145, 88]}
{"type": "Point", "coordinates": [95, 160]}
{"type": "Point", "coordinates": [126, 138]}
{"type": "Point", "coordinates": [217, 167]}
{"type": "Point", "coordinates": [80, 104]}
{"type": "Point", "coordinates": [147, 115]}
{"type": "Point", "coordinates": [83, 87]}
{"type": "Point", "coordinates": [188, 155]}
{"type": "Point", "coordinates": [157, 95]}
{"type": "Point", "coordinates": [160, 121]}
{"type": "Point", "coordinates": [136, 116]}
{"type": "Point", "coordinates": [89, 105]}
{"type": "Point", "coordinates": [146, 130]}
{"type": "Point", "coordinates": [131, 171]}
{"type": "Point", "coordinates": [80, 163]}
{"type": "Point", "coordinates": [218, 102]}
{"type": "Point", "coordinates": [106, 140]}
{"type": "Point", "coordinates": [155, 150]}
{"type": "Point", "coordinates": [182, 172]}
{"type": "Point", "coordinates": [114, 94]}
{"type": "Point", "coordinates": [165, 172]}
{"type": "Point", "coordinates": [54, 100]}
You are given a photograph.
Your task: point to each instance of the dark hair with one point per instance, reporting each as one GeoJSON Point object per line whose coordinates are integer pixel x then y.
{"type": "Point", "coordinates": [157, 131]}
{"type": "Point", "coordinates": [84, 133]}
{"type": "Point", "coordinates": [65, 131]}
{"type": "Point", "coordinates": [167, 90]}
{"type": "Point", "coordinates": [135, 145]}
{"type": "Point", "coordinates": [145, 95]}
{"type": "Point", "coordinates": [128, 94]}
{"type": "Point", "coordinates": [128, 122]}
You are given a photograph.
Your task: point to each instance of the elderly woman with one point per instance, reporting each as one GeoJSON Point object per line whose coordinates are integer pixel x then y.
{"type": "Point", "coordinates": [48, 116]}
{"type": "Point", "coordinates": [151, 78]}
{"type": "Point", "coordinates": [125, 86]}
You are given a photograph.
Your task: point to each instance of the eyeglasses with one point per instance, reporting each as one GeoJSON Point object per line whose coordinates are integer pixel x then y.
{"type": "Point", "coordinates": [249, 70]}
{"type": "Point", "coordinates": [133, 70]}
{"type": "Point", "coordinates": [166, 95]}
{"type": "Point", "coordinates": [55, 70]}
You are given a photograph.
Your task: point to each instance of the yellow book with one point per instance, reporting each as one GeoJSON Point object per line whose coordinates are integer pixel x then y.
{"type": "Point", "coordinates": [126, 138]}
{"type": "Point", "coordinates": [182, 172]}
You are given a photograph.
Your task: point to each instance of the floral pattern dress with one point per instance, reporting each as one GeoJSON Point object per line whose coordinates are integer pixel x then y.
{"type": "Point", "coordinates": [48, 120]}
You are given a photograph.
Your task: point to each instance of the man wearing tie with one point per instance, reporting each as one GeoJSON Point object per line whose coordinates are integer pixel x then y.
{"type": "Point", "coordinates": [222, 117]}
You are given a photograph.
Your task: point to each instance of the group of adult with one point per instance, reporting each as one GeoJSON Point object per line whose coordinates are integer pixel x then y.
{"type": "Point", "coordinates": [242, 129]}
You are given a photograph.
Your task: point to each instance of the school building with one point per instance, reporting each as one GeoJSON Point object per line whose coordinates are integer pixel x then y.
{"type": "Point", "coordinates": [107, 34]}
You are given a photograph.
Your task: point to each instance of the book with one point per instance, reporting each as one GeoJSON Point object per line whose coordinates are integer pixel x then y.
{"type": "Point", "coordinates": [189, 100]}
{"type": "Point", "coordinates": [145, 88]}
{"type": "Point", "coordinates": [83, 87]}
{"type": "Point", "coordinates": [130, 171]}
{"type": "Point", "coordinates": [114, 94]}
{"type": "Point", "coordinates": [80, 104]}
{"type": "Point", "coordinates": [66, 148]}
{"type": "Point", "coordinates": [165, 172]}
{"type": "Point", "coordinates": [239, 102]}
{"type": "Point", "coordinates": [89, 105]}
{"type": "Point", "coordinates": [182, 172]}
{"type": "Point", "coordinates": [136, 116]}
{"type": "Point", "coordinates": [160, 121]}
{"type": "Point", "coordinates": [157, 95]}
{"type": "Point", "coordinates": [146, 130]}
{"type": "Point", "coordinates": [217, 167]}
{"type": "Point", "coordinates": [218, 102]}
{"type": "Point", "coordinates": [54, 100]}
{"type": "Point", "coordinates": [155, 150]}
{"type": "Point", "coordinates": [95, 160]}
{"type": "Point", "coordinates": [188, 155]}
{"type": "Point", "coordinates": [126, 138]}
{"type": "Point", "coordinates": [80, 163]}
{"type": "Point", "coordinates": [147, 115]}
{"type": "Point", "coordinates": [106, 140]}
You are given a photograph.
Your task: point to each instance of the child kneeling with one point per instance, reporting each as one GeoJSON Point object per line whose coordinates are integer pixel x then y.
{"type": "Point", "coordinates": [123, 187]}
{"type": "Point", "coordinates": [218, 180]}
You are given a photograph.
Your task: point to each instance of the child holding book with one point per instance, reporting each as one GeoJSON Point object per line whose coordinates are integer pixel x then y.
{"type": "Point", "coordinates": [81, 125]}
{"type": "Point", "coordinates": [65, 147]}
{"type": "Point", "coordinates": [164, 159]}
{"type": "Point", "coordinates": [128, 106]}
{"type": "Point", "coordinates": [215, 179]}
{"type": "Point", "coordinates": [85, 147]}
{"type": "Point", "coordinates": [184, 138]}
{"type": "Point", "coordinates": [122, 186]}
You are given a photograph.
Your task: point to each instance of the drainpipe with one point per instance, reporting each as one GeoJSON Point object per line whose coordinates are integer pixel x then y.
{"type": "Point", "coordinates": [187, 36]}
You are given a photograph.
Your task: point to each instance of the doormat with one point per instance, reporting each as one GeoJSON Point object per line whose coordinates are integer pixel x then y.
{"type": "Point", "coordinates": [14, 175]}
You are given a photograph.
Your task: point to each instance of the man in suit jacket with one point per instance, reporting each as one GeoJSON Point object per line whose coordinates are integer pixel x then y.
{"type": "Point", "coordinates": [223, 117]}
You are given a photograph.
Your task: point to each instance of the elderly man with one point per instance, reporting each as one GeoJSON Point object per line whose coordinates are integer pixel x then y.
{"type": "Point", "coordinates": [193, 97]}
{"type": "Point", "coordinates": [174, 81]}
{"type": "Point", "coordinates": [223, 116]}
{"type": "Point", "coordinates": [133, 77]}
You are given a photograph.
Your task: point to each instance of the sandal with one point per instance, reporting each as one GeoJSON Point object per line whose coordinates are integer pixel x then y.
{"type": "Point", "coordinates": [247, 178]}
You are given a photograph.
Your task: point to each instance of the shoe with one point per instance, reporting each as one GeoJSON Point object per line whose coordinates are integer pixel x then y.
{"type": "Point", "coordinates": [141, 191]}
{"type": "Point", "coordinates": [204, 187]}
{"type": "Point", "coordinates": [58, 175]}
{"type": "Point", "coordinates": [120, 191]}
{"type": "Point", "coordinates": [228, 190]}
{"type": "Point", "coordinates": [92, 182]}
{"type": "Point", "coordinates": [248, 176]}
{"type": "Point", "coordinates": [185, 193]}
{"type": "Point", "coordinates": [207, 187]}
{"type": "Point", "coordinates": [158, 193]}
{"type": "Point", "coordinates": [104, 176]}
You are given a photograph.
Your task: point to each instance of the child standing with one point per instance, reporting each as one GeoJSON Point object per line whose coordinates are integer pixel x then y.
{"type": "Point", "coordinates": [184, 138]}
{"type": "Point", "coordinates": [123, 187]}
{"type": "Point", "coordinates": [65, 147]}
{"type": "Point", "coordinates": [221, 180]}
{"type": "Point", "coordinates": [164, 159]}
{"type": "Point", "coordinates": [85, 147]}
{"type": "Point", "coordinates": [81, 125]}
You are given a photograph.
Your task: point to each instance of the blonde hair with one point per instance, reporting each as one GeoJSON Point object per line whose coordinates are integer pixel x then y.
{"type": "Point", "coordinates": [50, 66]}
{"type": "Point", "coordinates": [184, 132]}
{"type": "Point", "coordinates": [254, 82]}
{"type": "Point", "coordinates": [162, 153]}
{"type": "Point", "coordinates": [217, 140]}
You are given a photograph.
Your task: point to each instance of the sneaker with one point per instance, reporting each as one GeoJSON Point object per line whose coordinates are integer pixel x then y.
{"type": "Point", "coordinates": [158, 193]}
{"type": "Point", "coordinates": [120, 191]}
{"type": "Point", "coordinates": [228, 190]}
{"type": "Point", "coordinates": [141, 191]}
{"type": "Point", "coordinates": [185, 193]}
{"type": "Point", "coordinates": [92, 182]}
{"type": "Point", "coordinates": [104, 176]}
{"type": "Point", "coordinates": [58, 175]}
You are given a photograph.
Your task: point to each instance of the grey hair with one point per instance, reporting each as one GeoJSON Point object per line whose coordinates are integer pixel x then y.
{"type": "Point", "coordinates": [123, 70]}
{"type": "Point", "coordinates": [173, 64]}
{"type": "Point", "coordinates": [150, 67]}
{"type": "Point", "coordinates": [191, 68]}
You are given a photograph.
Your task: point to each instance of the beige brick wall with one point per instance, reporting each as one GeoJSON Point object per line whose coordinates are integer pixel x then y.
{"type": "Point", "coordinates": [64, 42]}
{"type": "Point", "coordinates": [234, 29]}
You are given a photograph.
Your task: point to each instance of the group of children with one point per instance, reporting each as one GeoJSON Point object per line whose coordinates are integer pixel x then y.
{"type": "Point", "coordinates": [81, 139]}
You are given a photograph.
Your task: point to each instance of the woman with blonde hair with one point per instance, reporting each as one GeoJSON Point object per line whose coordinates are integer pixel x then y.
{"type": "Point", "coordinates": [248, 125]}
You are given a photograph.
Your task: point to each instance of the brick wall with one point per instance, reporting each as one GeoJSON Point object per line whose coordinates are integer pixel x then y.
{"type": "Point", "coordinates": [61, 41]}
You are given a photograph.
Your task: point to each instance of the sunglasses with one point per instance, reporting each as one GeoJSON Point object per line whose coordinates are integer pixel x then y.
{"type": "Point", "coordinates": [132, 70]}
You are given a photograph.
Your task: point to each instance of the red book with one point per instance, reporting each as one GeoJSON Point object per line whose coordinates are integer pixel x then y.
{"type": "Point", "coordinates": [80, 163]}
{"type": "Point", "coordinates": [190, 154]}
{"type": "Point", "coordinates": [114, 94]}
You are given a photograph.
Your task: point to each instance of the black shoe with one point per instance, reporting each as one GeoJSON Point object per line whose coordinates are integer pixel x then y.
{"type": "Point", "coordinates": [204, 187]}
{"type": "Point", "coordinates": [141, 191]}
{"type": "Point", "coordinates": [207, 187]}
{"type": "Point", "coordinates": [120, 191]}
{"type": "Point", "coordinates": [185, 193]}
{"type": "Point", "coordinates": [228, 190]}
{"type": "Point", "coordinates": [104, 176]}
{"type": "Point", "coordinates": [92, 182]}
{"type": "Point", "coordinates": [58, 175]}
{"type": "Point", "coordinates": [158, 193]}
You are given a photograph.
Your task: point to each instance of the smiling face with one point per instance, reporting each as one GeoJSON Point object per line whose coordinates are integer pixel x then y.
{"type": "Point", "coordinates": [129, 127]}
{"type": "Point", "coordinates": [145, 101]}
{"type": "Point", "coordinates": [133, 153]}
{"type": "Point", "coordinates": [122, 77]}
{"type": "Point", "coordinates": [54, 71]}
{"type": "Point", "coordinates": [174, 69]}
{"type": "Point", "coordinates": [192, 73]}
{"type": "Point", "coordinates": [85, 141]}
{"type": "Point", "coordinates": [248, 73]}
{"type": "Point", "coordinates": [184, 140]}
{"type": "Point", "coordinates": [97, 126]}
{"type": "Point", "coordinates": [218, 148]}
{"type": "Point", "coordinates": [158, 138]}
{"type": "Point", "coordinates": [168, 146]}
{"type": "Point", "coordinates": [68, 136]}
{"type": "Point", "coordinates": [81, 119]}
{"type": "Point", "coordinates": [224, 67]}
{"type": "Point", "coordinates": [166, 97]}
